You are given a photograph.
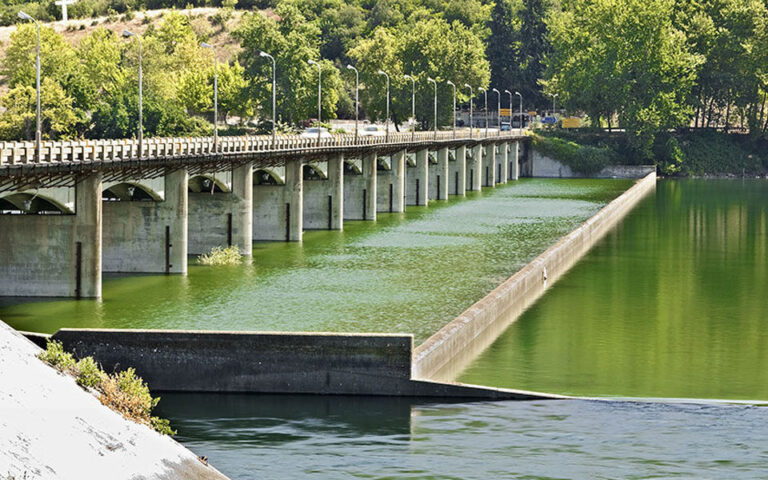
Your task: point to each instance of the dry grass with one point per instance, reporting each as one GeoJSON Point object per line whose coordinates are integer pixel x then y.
{"type": "Point", "coordinates": [221, 256]}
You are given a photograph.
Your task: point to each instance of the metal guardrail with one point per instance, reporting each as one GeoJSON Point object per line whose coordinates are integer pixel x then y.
{"type": "Point", "coordinates": [83, 151]}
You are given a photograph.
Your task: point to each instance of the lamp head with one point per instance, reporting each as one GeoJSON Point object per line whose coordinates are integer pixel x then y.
{"type": "Point", "coordinates": [507, 91]}
{"type": "Point", "coordinates": [127, 34]}
{"type": "Point", "coordinates": [350, 67]}
{"type": "Point", "coordinates": [430, 79]}
{"type": "Point", "coordinates": [497, 91]}
{"type": "Point", "coordinates": [450, 83]}
{"type": "Point", "coordinates": [264, 54]}
{"type": "Point", "coordinates": [312, 62]}
{"type": "Point", "coordinates": [382, 72]}
{"type": "Point", "coordinates": [518, 93]}
{"type": "Point", "coordinates": [481, 89]}
{"type": "Point", "coordinates": [408, 77]}
{"type": "Point", "coordinates": [24, 16]}
{"type": "Point", "coordinates": [468, 86]}
{"type": "Point", "coordinates": [206, 45]}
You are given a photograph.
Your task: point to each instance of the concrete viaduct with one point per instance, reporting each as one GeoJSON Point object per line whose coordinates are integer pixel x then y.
{"type": "Point", "coordinates": [77, 209]}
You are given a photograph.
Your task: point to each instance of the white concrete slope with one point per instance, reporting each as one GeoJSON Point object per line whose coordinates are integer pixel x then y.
{"type": "Point", "coordinates": [50, 428]}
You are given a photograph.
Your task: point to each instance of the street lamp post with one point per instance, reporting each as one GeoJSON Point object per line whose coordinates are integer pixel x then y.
{"type": "Point", "coordinates": [430, 79]}
{"type": "Point", "coordinates": [485, 93]}
{"type": "Point", "coordinates": [274, 94]}
{"type": "Point", "coordinates": [471, 97]}
{"type": "Point", "coordinates": [413, 105]}
{"type": "Point", "coordinates": [319, 97]}
{"type": "Point", "coordinates": [386, 134]}
{"type": "Point", "coordinates": [554, 103]}
{"type": "Point", "coordinates": [215, 97]}
{"type": "Point", "coordinates": [357, 99]}
{"type": "Point", "coordinates": [38, 131]}
{"type": "Point", "coordinates": [522, 123]}
{"type": "Point", "coordinates": [498, 110]}
{"type": "Point", "coordinates": [128, 34]}
{"type": "Point", "coordinates": [453, 112]}
{"type": "Point", "coordinates": [510, 110]}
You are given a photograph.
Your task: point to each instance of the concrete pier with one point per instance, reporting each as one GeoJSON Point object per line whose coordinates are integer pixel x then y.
{"type": "Point", "coordinates": [294, 190]}
{"type": "Point", "coordinates": [457, 172]}
{"type": "Point", "coordinates": [360, 178]}
{"type": "Point", "coordinates": [222, 218]}
{"type": "Point", "coordinates": [398, 185]}
{"type": "Point", "coordinates": [324, 195]}
{"type": "Point", "coordinates": [438, 176]}
{"type": "Point", "coordinates": [474, 169]}
{"type": "Point", "coordinates": [513, 157]}
{"type": "Point", "coordinates": [502, 163]}
{"type": "Point", "coordinates": [417, 180]}
{"type": "Point", "coordinates": [271, 206]}
{"type": "Point", "coordinates": [148, 236]}
{"type": "Point", "coordinates": [489, 165]}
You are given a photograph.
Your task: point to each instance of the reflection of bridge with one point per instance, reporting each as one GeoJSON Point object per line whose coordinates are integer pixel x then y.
{"type": "Point", "coordinates": [100, 207]}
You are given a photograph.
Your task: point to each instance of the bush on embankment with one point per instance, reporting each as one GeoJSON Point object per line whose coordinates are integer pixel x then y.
{"type": "Point", "coordinates": [696, 153]}
{"type": "Point", "coordinates": [123, 392]}
{"type": "Point", "coordinates": [584, 159]}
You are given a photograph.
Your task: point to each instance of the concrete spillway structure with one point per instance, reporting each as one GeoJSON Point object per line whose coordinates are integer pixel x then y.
{"type": "Point", "coordinates": [52, 428]}
{"type": "Point", "coordinates": [147, 218]}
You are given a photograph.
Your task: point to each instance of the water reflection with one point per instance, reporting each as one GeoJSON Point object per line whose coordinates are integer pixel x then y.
{"type": "Point", "coordinates": [277, 436]}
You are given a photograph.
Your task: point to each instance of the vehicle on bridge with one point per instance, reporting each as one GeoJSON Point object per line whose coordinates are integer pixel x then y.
{"type": "Point", "coordinates": [312, 132]}
{"type": "Point", "coordinates": [372, 131]}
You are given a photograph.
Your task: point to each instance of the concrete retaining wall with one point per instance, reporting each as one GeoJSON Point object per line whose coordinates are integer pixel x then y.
{"type": "Point", "coordinates": [445, 354]}
{"type": "Point", "coordinates": [544, 166]}
{"type": "Point", "coordinates": [210, 217]}
{"type": "Point", "coordinates": [270, 212]}
{"type": "Point", "coordinates": [256, 362]}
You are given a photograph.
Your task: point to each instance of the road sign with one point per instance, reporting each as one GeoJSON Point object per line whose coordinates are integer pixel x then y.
{"type": "Point", "coordinates": [505, 112]}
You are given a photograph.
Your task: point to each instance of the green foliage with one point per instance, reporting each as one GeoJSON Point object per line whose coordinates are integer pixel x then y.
{"type": "Point", "coordinates": [55, 356]}
{"type": "Point", "coordinates": [124, 392]}
{"type": "Point", "coordinates": [584, 159]}
{"type": "Point", "coordinates": [221, 256]}
{"type": "Point", "coordinates": [89, 374]}
{"type": "Point", "coordinates": [707, 152]}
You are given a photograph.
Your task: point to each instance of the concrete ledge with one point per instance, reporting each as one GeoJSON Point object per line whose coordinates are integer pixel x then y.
{"type": "Point", "coordinates": [446, 353]}
{"type": "Point", "coordinates": [548, 167]}
{"type": "Point", "coordinates": [270, 362]}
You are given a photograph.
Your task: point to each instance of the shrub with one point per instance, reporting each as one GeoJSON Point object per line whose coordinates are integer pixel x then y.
{"type": "Point", "coordinates": [221, 256]}
{"type": "Point", "coordinates": [584, 159]}
{"type": "Point", "coordinates": [123, 392]}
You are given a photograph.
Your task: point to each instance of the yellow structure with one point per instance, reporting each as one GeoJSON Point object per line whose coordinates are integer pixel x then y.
{"type": "Point", "coordinates": [571, 122]}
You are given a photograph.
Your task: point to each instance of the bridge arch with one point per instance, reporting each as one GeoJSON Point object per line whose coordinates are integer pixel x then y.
{"type": "Point", "coordinates": [266, 176]}
{"type": "Point", "coordinates": [207, 184]}
{"type": "Point", "coordinates": [352, 168]}
{"type": "Point", "coordinates": [130, 192]}
{"type": "Point", "coordinates": [29, 202]}
{"type": "Point", "coordinates": [313, 172]}
{"type": "Point", "coordinates": [384, 163]}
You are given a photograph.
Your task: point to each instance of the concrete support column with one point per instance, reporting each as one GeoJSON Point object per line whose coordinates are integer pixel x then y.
{"type": "Point", "coordinates": [514, 160]}
{"type": "Point", "coordinates": [242, 208]}
{"type": "Point", "coordinates": [459, 172]}
{"type": "Point", "coordinates": [88, 237]}
{"type": "Point", "coordinates": [336, 177]}
{"type": "Point", "coordinates": [370, 162]}
{"type": "Point", "coordinates": [176, 199]}
{"type": "Point", "coordinates": [442, 172]}
{"type": "Point", "coordinates": [474, 169]}
{"type": "Point", "coordinates": [419, 195]}
{"type": "Point", "coordinates": [503, 162]}
{"type": "Point", "coordinates": [489, 165]}
{"type": "Point", "coordinates": [294, 185]}
{"type": "Point", "coordinates": [398, 189]}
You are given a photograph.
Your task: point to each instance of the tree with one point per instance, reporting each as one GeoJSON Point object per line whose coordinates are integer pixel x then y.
{"type": "Point", "coordinates": [19, 119]}
{"type": "Point", "coordinates": [293, 42]}
{"type": "Point", "coordinates": [428, 48]}
{"type": "Point", "coordinates": [623, 57]}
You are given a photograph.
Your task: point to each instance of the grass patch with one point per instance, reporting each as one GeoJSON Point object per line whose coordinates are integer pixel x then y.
{"type": "Point", "coordinates": [584, 159]}
{"type": "Point", "coordinates": [124, 392]}
{"type": "Point", "coordinates": [221, 256]}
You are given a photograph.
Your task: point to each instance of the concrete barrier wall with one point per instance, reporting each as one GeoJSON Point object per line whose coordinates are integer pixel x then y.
{"type": "Point", "coordinates": [255, 362]}
{"type": "Point", "coordinates": [544, 166]}
{"type": "Point", "coordinates": [444, 355]}
{"type": "Point", "coordinates": [209, 221]}
{"type": "Point", "coordinates": [270, 212]}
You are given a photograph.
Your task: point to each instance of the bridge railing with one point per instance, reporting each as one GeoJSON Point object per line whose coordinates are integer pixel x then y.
{"type": "Point", "coordinates": [82, 151]}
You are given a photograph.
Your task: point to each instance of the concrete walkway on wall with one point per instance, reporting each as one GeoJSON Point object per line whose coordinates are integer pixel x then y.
{"type": "Point", "coordinates": [443, 356]}
{"type": "Point", "coordinates": [53, 429]}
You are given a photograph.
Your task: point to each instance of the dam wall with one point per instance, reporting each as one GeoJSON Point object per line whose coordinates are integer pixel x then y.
{"type": "Point", "coordinates": [445, 354]}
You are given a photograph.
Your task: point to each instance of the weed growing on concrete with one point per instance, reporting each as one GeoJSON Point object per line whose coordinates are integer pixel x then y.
{"type": "Point", "coordinates": [124, 391]}
{"type": "Point", "coordinates": [221, 256]}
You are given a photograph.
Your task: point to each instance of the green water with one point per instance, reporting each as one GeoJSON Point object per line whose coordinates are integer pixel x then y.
{"type": "Point", "coordinates": [673, 303]}
{"type": "Point", "coordinates": [408, 273]}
